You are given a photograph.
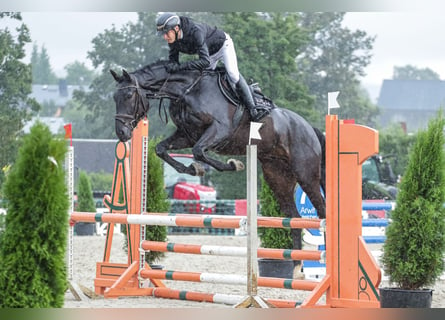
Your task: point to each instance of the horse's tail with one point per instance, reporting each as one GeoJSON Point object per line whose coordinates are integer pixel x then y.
{"type": "Point", "coordinates": [322, 140]}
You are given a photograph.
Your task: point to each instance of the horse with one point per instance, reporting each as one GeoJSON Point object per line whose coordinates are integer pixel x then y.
{"type": "Point", "coordinates": [207, 119]}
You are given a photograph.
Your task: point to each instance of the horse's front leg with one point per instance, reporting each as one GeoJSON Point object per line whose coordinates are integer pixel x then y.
{"type": "Point", "coordinates": [177, 141]}
{"type": "Point", "coordinates": [212, 137]}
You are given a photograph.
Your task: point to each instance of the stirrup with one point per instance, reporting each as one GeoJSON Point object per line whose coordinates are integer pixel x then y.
{"type": "Point", "coordinates": [259, 114]}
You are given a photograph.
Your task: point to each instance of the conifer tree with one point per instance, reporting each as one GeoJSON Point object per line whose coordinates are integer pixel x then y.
{"type": "Point", "coordinates": [272, 237]}
{"type": "Point", "coordinates": [413, 252]}
{"type": "Point", "coordinates": [32, 254]}
{"type": "Point", "coordinates": [85, 203]}
{"type": "Point", "coordinates": [157, 200]}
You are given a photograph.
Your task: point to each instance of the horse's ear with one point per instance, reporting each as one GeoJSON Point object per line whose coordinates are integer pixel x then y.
{"type": "Point", "coordinates": [115, 76]}
{"type": "Point", "coordinates": [126, 75]}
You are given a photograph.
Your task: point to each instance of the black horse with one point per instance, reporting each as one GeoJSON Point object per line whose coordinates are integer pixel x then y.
{"type": "Point", "coordinates": [291, 151]}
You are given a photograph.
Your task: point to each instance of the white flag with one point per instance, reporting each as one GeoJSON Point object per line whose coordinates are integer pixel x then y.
{"type": "Point", "coordinates": [332, 100]}
{"type": "Point", "coordinates": [254, 130]}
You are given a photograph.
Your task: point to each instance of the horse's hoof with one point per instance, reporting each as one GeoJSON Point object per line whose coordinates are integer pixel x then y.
{"type": "Point", "coordinates": [298, 273]}
{"type": "Point", "coordinates": [238, 165]}
{"type": "Point", "coordinates": [199, 170]}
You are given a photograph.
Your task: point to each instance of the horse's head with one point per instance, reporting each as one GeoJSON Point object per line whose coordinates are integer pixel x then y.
{"type": "Point", "coordinates": [131, 104]}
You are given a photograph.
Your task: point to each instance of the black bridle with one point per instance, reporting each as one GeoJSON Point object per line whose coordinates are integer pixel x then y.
{"type": "Point", "coordinates": [141, 107]}
{"type": "Point", "coordinates": [142, 104]}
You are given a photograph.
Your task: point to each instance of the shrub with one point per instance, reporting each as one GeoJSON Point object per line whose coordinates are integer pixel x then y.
{"type": "Point", "coordinates": [32, 254]}
{"type": "Point", "coordinates": [414, 249]}
{"type": "Point", "coordinates": [272, 237]}
{"type": "Point", "coordinates": [157, 200]}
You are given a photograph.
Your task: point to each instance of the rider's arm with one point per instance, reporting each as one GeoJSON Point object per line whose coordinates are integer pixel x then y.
{"type": "Point", "coordinates": [202, 50]}
{"type": "Point", "coordinates": [173, 55]}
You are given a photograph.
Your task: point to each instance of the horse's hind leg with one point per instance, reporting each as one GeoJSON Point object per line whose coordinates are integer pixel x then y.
{"type": "Point", "coordinates": [310, 181]}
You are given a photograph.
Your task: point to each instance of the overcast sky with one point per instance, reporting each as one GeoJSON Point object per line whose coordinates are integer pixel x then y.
{"type": "Point", "coordinates": [402, 38]}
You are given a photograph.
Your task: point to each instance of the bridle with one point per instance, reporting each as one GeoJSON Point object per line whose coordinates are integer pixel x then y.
{"type": "Point", "coordinates": [141, 107]}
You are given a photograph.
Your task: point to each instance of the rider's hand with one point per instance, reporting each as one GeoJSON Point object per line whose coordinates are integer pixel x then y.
{"type": "Point", "coordinates": [172, 67]}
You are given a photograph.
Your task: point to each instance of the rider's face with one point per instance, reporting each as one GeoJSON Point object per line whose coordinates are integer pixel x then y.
{"type": "Point", "coordinates": [170, 36]}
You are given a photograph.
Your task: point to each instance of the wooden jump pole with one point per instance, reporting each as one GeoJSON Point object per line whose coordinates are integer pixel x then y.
{"type": "Point", "coordinates": [280, 254]}
{"type": "Point", "coordinates": [232, 279]}
{"type": "Point", "coordinates": [196, 220]}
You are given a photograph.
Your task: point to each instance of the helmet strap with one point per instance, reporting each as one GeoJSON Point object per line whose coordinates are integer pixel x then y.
{"type": "Point", "coordinates": [177, 33]}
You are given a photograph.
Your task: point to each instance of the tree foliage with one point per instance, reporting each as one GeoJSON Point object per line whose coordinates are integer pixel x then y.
{"type": "Point", "coordinates": [272, 237]}
{"type": "Point", "coordinates": [15, 87]}
{"type": "Point", "coordinates": [157, 200]}
{"type": "Point", "coordinates": [85, 201]}
{"type": "Point", "coordinates": [42, 72]}
{"type": "Point", "coordinates": [334, 60]}
{"type": "Point", "coordinates": [410, 72]}
{"type": "Point", "coordinates": [130, 48]}
{"type": "Point", "coordinates": [396, 145]}
{"type": "Point", "coordinates": [414, 249]}
{"type": "Point", "coordinates": [77, 73]}
{"type": "Point", "coordinates": [32, 252]}
{"type": "Point", "coordinates": [266, 47]}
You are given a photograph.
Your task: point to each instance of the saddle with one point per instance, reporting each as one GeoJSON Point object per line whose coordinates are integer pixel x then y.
{"type": "Point", "coordinates": [261, 101]}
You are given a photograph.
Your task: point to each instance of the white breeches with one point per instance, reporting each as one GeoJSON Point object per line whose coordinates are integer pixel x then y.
{"type": "Point", "coordinates": [227, 55]}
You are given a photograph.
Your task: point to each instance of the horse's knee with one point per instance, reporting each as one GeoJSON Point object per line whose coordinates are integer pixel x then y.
{"type": "Point", "coordinates": [198, 153]}
{"type": "Point", "coordinates": [160, 149]}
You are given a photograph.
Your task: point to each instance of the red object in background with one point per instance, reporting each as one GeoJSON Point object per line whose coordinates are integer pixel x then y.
{"type": "Point", "coordinates": [241, 207]}
{"type": "Point", "coordinates": [68, 133]}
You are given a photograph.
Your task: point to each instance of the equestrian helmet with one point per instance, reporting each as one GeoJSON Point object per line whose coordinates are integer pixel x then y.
{"type": "Point", "coordinates": [166, 22]}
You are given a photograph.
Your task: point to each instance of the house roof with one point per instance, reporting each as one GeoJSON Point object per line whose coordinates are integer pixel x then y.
{"type": "Point", "coordinates": [59, 94]}
{"type": "Point", "coordinates": [412, 94]}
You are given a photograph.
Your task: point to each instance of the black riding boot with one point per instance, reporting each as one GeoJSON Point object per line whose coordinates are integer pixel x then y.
{"type": "Point", "coordinates": [246, 97]}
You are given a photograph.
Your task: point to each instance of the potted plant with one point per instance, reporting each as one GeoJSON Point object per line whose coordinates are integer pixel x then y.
{"type": "Point", "coordinates": [273, 238]}
{"type": "Point", "coordinates": [85, 203]}
{"type": "Point", "coordinates": [415, 239]}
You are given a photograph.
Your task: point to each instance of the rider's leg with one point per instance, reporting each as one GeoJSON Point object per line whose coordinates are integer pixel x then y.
{"type": "Point", "coordinates": [240, 84]}
{"type": "Point", "coordinates": [246, 97]}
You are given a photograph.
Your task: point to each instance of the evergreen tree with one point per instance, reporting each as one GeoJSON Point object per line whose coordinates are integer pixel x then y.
{"type": "Point", "coordinates": [15, 87]}
{"type": "Point", "coordinates": [32, 254]}
{"type": "Point", "coordinates": [42, 72]}
{"type": "Point", "coordinates": [414, 249]}
{"type": "Point", "coordinates": [272, 237]}
{"type": "Point", "coordinates": [78, 74]}
{"type": "Point", "coordinates": [157, 200]}
{"type": "Point", "coordinates": [85, 201]}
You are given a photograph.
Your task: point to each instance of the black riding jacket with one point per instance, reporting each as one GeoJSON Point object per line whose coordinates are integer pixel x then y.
{"type": "Point", "coordinates": [198, 38]}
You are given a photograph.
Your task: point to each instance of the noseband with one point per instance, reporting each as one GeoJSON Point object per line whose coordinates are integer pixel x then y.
{"type": "Point", "coordinates": [141, 109]}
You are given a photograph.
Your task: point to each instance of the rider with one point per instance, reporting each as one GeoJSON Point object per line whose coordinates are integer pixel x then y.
{"type": "Point", "coordinates": [211, 44]}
